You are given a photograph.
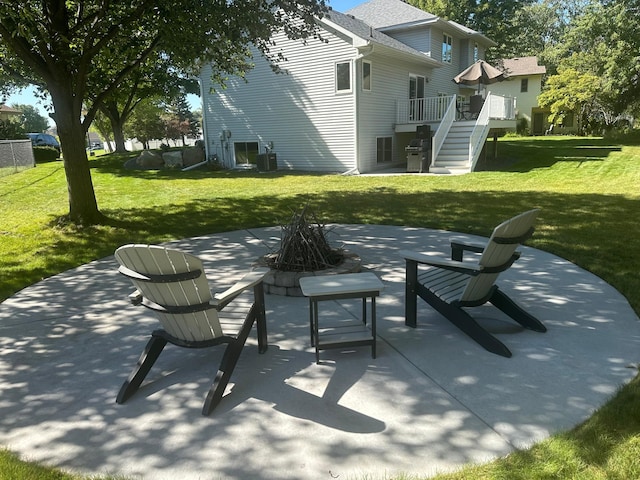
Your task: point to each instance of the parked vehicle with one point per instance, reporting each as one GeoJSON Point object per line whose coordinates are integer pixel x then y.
{"type": "Point", "coordinates": [44, 140]}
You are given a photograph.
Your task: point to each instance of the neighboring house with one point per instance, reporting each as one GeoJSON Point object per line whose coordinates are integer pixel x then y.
{"type": "Point", "coordinates": [7, 113]}
{"type": "Point", "coordinates": [352, 104]}
{"type": "Point", "coordinates": [524, 82]}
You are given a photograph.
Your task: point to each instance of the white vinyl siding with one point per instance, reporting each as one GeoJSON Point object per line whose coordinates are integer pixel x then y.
{"type": "Point", "coordinates": [441, 82]}
{"type": "Point", "coordinates": [311, 127]}
{"type": "Point", "coordinates": [418, 38]}
{"type": "Point", "coordinates": [377, 111]}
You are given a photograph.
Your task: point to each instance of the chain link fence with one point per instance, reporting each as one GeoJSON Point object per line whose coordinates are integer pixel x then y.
{"type": "Point", "coordinates": [15, 156]}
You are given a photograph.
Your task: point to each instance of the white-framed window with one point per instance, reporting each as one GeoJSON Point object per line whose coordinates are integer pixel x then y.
{"type": "Point", "coordinates": [447, 47]}
{"type": "Point", "coordinates": [524, 85]}
{"type": "Point", "coordinates": [343, 76]}
{"type": "Point", "coordinates": [366, 75]}
{"type": "Point", "coordinates": [384, 149]}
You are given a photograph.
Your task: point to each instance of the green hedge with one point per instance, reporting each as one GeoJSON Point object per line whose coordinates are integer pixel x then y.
{"type": "Point", "coordinates": [45, 154]}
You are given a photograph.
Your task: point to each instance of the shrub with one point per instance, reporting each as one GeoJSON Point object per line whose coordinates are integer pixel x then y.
{"type": "Point", "coordinates": [522, 127]}
{"type": "Point", "coordinates": [45, 154]}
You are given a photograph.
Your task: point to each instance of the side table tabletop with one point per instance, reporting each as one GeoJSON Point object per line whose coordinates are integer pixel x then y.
{"type": "Point", "coordinates": [337, 287]}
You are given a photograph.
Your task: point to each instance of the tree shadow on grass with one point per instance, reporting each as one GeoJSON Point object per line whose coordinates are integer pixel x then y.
{"type": "Point", "coordinates": [598, 232]}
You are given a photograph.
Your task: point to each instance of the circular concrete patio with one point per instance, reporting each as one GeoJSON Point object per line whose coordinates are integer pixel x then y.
{"type": "Point", "coordinates": [431, 401]}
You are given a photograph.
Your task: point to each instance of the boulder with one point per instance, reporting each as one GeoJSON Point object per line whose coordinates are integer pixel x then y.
{"type": "Point", "coordinates": [146, 160]}
{"type": "Point", "coordinates": [192, 156]}
{"type": "Point", "coordinates": [172, 159]}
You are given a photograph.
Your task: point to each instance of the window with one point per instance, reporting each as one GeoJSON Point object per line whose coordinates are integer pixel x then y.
{"type": "Point", "coordinates": [343, 76]}
{"type": "Point", "coordinates": [366, 76]}
{"type": "Point", "coordinates": [524, 85]}
{"type": "Point", "coordinates": [447, 42]}
{"type": "Point", "coordinates": [246, 152]}
{"type": "Point", "coordinates": [384, 151]}
{"type": "Point", "coordinates": [476, 53]}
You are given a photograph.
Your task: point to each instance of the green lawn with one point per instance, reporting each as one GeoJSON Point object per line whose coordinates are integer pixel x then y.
{"type": "Point", "coordinates": [588, 191]}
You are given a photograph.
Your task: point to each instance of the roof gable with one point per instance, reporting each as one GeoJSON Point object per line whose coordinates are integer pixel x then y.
{"type": "Point", "coordinates": [368, 35]}
{"type": "Point", "coordinates": [522, 66]}
{"type": "Point", "coordinates": [388, 15]}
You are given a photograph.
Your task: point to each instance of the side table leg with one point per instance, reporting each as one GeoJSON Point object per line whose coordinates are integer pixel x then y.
{"type": "Point", "coordinates": [373, 326]}
{"type": "Point", "coordinates": [311, 322]}
{"type": "Point", "coordinates": [364, 310]}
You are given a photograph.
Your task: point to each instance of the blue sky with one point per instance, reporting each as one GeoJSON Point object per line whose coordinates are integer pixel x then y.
{"type": "Point", "coordinates": [27, 96]}
{"type": "Point", "coordinates": [344, 5]}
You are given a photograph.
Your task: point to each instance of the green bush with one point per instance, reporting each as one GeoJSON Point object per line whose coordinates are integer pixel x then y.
{"type": "Point", "coordinates": [45, 154]}
{"type": "Point", "coordinates": [522, 127]}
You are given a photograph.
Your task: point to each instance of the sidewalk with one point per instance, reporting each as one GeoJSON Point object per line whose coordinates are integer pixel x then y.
{"type": "Point", "coordinates": [431, 401]}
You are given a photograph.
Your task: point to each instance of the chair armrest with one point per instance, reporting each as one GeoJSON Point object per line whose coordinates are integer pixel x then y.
{"type": "Point", "coordinates": [136, 298]}
{"type": "Point", "coordinates": [459, 245]}
{"type": "Point", "coordinates": [469, 268]}
{"type": "Point", "coordinates": [251, 279]}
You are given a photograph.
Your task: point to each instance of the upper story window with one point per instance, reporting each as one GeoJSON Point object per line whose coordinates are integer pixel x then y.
{"type": "Point", "coordinates": [524, 85]}
{"type": "Point", "coordinates": [476, 53]}
{"type": "Point", "coordinates": [343, 76]}
{"type": "Point", "coordinates": [447, 43]}
{"type": "Point", "coordinates": [366, 75]}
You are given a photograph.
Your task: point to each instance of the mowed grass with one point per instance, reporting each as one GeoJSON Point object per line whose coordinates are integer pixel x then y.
{"type": "Point", "coordinates": [588, 190]}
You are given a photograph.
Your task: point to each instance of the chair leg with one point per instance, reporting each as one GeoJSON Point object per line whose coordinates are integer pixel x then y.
{"type": "Point", "coordinates": [411, 297]}
{"type": "Point", "coordinates": [227, 365]}
{"type": "Point", "coordinates": [508, 306]}
{"type": "Point", "coordinates": [261, 317]}
{"type": "Point", "coordinates": [145, 362]}
{"type": "Point", "coordinates": [467, 324]}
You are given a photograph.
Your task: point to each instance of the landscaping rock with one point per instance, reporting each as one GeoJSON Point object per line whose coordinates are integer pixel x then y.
{"type": "Point", "coordinates": [146, 161]}
{"type": "Point", "coordinates": [172, 159]}
{"type": "Point", "coordinates": [192, 156]}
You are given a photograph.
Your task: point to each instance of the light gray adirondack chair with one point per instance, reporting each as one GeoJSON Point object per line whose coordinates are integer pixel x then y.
{"type": "Point", "coordinates": [173, 284]}
{"type": "Point", "coordinates": [450, 285]}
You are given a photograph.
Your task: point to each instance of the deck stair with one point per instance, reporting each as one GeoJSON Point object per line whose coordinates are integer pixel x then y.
{"type": "Point", "coordinates": [453, 157]}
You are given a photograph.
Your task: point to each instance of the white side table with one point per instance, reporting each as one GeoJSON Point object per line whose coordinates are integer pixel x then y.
{"type": "Point", "coordinates": [337, 287]}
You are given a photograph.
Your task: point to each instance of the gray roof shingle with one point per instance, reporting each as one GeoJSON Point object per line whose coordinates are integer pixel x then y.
{"type": "Point", "coordinates": [367, 32]}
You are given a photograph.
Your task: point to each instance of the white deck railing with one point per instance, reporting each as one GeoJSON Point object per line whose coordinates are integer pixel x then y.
{"type": "Point", "coordinates": [479, 133]}
{"type": "Point", "coordinates": [433, 109]}
{"type": "Point", "coordinates": [422, 110]}
{"type": "Point", "coordinates": [443, 129]}
{"type": "Point", "coordinates": [501, 108]}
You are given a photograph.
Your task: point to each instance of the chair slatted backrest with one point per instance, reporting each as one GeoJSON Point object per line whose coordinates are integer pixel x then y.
{"type": "Point", "coordinates": [201, 323]}
{"type": "Point", "coordinates": [498, 254]}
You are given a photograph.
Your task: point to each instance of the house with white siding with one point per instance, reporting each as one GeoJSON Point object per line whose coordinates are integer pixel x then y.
{"type": "Point", "coordinates": [524, 83]}
{"type": "Point", "coordinates": [352, 101]}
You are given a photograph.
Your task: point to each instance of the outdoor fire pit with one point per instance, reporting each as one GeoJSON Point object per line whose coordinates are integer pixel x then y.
{"type": "Point", "coordinates": [304, 251]}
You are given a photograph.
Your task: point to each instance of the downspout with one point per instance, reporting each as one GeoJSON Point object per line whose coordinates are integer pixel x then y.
{"type": "Point", "coordinates": [205, 133]}
{"type": "Point", "coordinates": [364, 52]}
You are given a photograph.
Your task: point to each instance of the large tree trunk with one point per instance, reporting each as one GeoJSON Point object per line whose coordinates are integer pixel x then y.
{"type": "Point", "coordinates": [117, 120]}
{"type": "Point", "coordinates": [83, 207]}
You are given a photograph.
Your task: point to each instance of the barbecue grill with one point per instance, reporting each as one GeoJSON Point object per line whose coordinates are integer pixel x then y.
{"type": "Point", "coordinates": [419, 150]}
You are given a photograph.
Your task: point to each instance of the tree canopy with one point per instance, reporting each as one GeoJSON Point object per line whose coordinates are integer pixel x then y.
{"type": "Point", "coordinates": [31, 119]}
{"type": "Point", "coordinates": [81, 51]}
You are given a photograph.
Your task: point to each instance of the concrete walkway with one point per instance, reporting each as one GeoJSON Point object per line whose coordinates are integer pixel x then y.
{"type": "Point", "coordinates": [432, 401]}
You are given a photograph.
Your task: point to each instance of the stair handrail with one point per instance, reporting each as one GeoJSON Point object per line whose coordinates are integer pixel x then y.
{"type": "Point", "coordinates": [479, 133]}
{"type": "Point", "coordinates": [443, 129]}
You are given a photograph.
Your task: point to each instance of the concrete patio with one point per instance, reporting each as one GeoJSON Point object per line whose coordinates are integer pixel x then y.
{"type": "Point", "coordinates": [432, 400]}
